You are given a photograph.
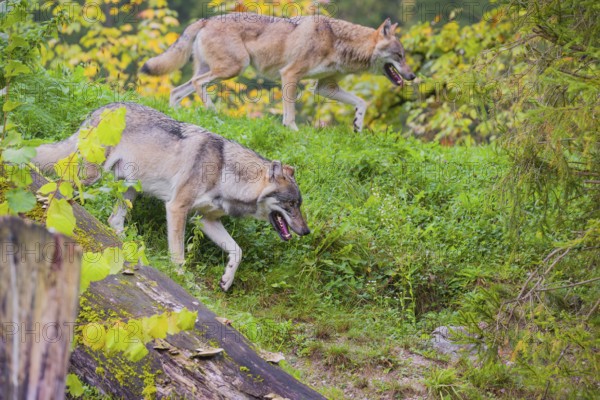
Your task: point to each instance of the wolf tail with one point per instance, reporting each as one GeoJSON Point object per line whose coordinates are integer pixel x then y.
{"type": "Point", "coordinates": [48, 154]}
{"type": "Point", "coordinates": [177, 55]}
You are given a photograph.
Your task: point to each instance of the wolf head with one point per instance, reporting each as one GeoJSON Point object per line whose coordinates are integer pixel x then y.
{"type": "Point", "coordinates": [389, 55]}
{"type": "Point", "coordinates": [280, 202]}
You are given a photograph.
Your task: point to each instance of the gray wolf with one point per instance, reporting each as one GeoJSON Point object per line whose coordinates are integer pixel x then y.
{"type": "Point", "coordinates": [190, 168]}
{"type": "Point", "coordinates": [315, 47]}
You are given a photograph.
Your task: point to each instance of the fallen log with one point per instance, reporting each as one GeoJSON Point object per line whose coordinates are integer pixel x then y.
{"type": "Point", "coordinates": [171, 370]}
{"type": "Point", "coordinates": [237, 373]}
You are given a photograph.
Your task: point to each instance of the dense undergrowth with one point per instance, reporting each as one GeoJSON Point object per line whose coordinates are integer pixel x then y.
{"type": "Point", "coordinates": [406, 236]}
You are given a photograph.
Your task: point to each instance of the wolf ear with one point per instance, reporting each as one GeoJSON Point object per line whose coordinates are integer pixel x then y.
{"type": "Point", "coordinates": [289, 170]}
{"type": "Point", "coordinates": [386, 28]}
{"type": "Point", "coordinates": [276, 170]}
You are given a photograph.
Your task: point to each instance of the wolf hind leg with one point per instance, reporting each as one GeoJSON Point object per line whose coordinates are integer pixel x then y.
{"type": "Point", "coordinates": [117, 218]}
{"type": "Point", "coordinates": [228, 68]}
{"type": "Point", "coordinates": [329, 88]}
{"type": "Point", "coordinates": [202, 81]}
{"type": "Point", "coordinates": [182, 91]}
{"type": "Point", "coordinates": [216, 232]}
{"type": "Point", "coordinates": [203, 68]}
{"type": "Point", "coordinates": [179, 93]}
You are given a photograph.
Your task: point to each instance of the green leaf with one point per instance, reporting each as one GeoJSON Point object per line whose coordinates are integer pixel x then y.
{"type": "Point", "coordinates": [74, 386]}
{"type": "Point", "coordinates": [13, 137]}
{"type": "Point", "coordinates": [16, 41]}
{"type": "Point", "coordinates": [186, 319]}
{"type": "Point", "coordinates": [19, 156]}
{"type": "Point", "coordinates": [60, 216]}
{"type": "Point", "coordinates": [10, 105]}
{"type": "Point", "coordinates": [92, 141]}
{"type": "Point", "coordinates": [172, 319]}
{"type": "Point", "coordinates": [130, 251]}
{"type": "Point", "coordinates": [48, 188]}
{"type": "Point", "coordinates": [156, 326]}
{"type": "Point", "coordinates": [111, 126]}
{"type": "Point", "coordinates": [21, 177]}
{"type": "Point", "coordinates": [4, 208]}
{"type": "Point", "coordinates": [93, 268]}
{"type": "Point", "coordinates": [114, 258]}
{"type": "Point", "coordinates": [117, 338]}
{"type": "Point", "coordinates": [20, 200]}
{"type": "Point", "coordinates": [134, 253]}
{"type": "Point", "coordinates": [15, 67]}
{"type": "Point", "coordinates": [138, 186]}
{"type": "Point", "coordinates": [136, 351]}
{"type": "Point", "coordinates": [67, 168]}
{"type": "Point", "coordinates": [91, 149]}
{"type": "Point", "coordinates": [93, 335]}
{"type": "Point", "coordinates": [66, 189]}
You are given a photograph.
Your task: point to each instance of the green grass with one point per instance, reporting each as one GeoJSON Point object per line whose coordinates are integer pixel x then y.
{"type": "Point", "coordinates": [382, 210]}
{"type": "Point", "coordinates": [401, 230]}
{"type": "Point", "coordinates": [405, 237]}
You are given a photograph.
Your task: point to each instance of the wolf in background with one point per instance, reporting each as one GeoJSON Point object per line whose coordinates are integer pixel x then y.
{"type": "Point", "coordinates": [190, 168]}
{"type": "Point", "coordinates": [315, 47]}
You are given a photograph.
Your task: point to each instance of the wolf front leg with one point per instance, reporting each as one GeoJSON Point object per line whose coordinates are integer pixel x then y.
{"type": "Point", "coordinates": [330, 89]}
{"type": "Point", "coordinates": [216, 232]}
{"type": "Point", "coordinates": [290, 77]}
{"type": "Point", "coordinates": [176, 217]}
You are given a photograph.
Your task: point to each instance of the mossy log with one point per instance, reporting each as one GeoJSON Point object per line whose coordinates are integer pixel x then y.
{"type": "Point", "coordinates": [39, 296]}
{"type": "Point", "coordinates": [171, 369]}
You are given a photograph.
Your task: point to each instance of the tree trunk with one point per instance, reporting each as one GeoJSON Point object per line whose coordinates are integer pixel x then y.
{"type": "Point", "coordinates": [39, 295]}
{"type": "Point", "coordinates": [169, 370]}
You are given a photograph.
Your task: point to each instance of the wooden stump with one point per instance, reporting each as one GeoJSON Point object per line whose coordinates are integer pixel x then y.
{"type": "Point", "coordinates": [39, 297]}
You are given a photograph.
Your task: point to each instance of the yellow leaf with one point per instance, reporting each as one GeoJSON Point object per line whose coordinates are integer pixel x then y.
{"type": "Point", "coordinates": [93, 336]}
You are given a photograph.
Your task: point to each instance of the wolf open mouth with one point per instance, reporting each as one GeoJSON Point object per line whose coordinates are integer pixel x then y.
{"type": "Point", "coordinates": [392, 73]}
{"type": "Point", "coordinates": [280, 225]}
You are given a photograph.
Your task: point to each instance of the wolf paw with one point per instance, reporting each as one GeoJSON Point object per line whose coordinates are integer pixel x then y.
{"type": "Point", "coordinates": [177, 259]}
{"type": "Point", "coordinates": [359, 119]}
{"type": "Point", "coordinates": [226, 283]}
{"type": "Point", "coordinates": [174, 102]}
{"type": "Point", "coordinates": [292, 126]}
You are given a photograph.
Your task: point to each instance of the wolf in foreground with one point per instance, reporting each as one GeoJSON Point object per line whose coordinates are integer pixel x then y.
{"type": "Point", "coordinates": [315, 47]}
{"type": "Point", "coordinates": [190, 168]}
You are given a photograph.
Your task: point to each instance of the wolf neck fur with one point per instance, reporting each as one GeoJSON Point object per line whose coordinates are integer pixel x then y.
{"type": "Point", "coordinates": [354, 43]}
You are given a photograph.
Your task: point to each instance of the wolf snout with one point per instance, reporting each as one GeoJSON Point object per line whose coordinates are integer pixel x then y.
{"type": "Point", "coordinates": [410, 76]}
{"type": "Point", "coordinates": [300, 229]}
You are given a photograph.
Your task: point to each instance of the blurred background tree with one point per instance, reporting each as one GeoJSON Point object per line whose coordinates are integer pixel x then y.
{"type": "Point", "coordinates": [366, 12]}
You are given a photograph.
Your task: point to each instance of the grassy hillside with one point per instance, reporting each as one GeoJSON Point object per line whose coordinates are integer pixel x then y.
{"type": "Point", "coordinates": [406, 236]}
